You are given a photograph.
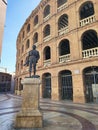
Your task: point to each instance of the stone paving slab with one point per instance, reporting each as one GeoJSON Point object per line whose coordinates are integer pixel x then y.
{"type": "Point", "coordinates": [62, 115]}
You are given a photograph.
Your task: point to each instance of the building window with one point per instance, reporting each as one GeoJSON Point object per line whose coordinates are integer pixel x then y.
{"type": "Point", "coordinates": [2, 78]}
{"type": "Point", "coordinates": [28, 28]}
{"type": "Point", "coordinates": [47, 53]}
{"type": "Point", "coordinates": [89, 39]}
{"type": "Point", "coordinates": [36, 20]}
{"type": "Point", "coordinates": [66, 85]}
{"type": "Point", "coordinates": [86, 10]}
{"type": "Point", "coordinates": [90, 77]}
{"type": "Point", "coordinates": [63, 22]}
{"type": "Point", "coordinates": [27, 44]}
{"type": "Point", "coordinates": [89, 44]}
{"type": "Point", "coordinates": [6, 78]}
{"type": "Point", "coordinates": [18, 52]}
{"type": "Point", "coordinates": [46, 30]}
{"type": "Point", "coordinates": [64, 51]}
{"type": "Point", "coordinates": [64, 47]}
{"type": "Point", "coordinates": [61, 2]}
{"type": "Point", "coordinates": [22, 48]}
{"type": "Point", "coordinates": [35, 38]}
{"type": "Point", "coordinates": [47, 11]}
{"type": "Point", "coordinates": [22, 64]}
{"type": "Point", "coordinates": [17, 67]}
{"type": "Point", "coordinates": [46, 89]}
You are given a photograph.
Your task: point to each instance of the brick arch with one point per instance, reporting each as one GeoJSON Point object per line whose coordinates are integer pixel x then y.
{"type": "Point", "coordinates": [47, 53]}
{"type": "Point", "coordinates": [46, 85]}
{"type": "Point", "coordinates": [65, 84]}
{"type": "Point", "coordinates": [82, 12]}
{"type": "Point", "coordinates": [90, 80]}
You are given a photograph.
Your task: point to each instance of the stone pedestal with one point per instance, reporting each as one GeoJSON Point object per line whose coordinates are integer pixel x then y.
{"type": "Point", "coordinates": [30, 115]}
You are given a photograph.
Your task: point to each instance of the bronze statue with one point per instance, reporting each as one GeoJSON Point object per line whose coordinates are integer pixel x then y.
{"type": "Point", "coordinates": [32, 59]}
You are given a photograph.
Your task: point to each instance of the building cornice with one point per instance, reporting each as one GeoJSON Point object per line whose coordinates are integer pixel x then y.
{"type": "Point", "coordinates": [42, 4]}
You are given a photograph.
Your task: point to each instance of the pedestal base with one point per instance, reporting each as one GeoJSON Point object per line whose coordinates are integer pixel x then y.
{"type": "Point", "coordinates": [30, 115]}
{"type": "Point", "coordinates": [29, 120]}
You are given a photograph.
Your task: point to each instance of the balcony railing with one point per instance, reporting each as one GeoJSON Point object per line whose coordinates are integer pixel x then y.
{"type": "Point", "coordinates": [47, 38]}
{"type": "Point", "coordinates": [47, 62]}
{"type": "Point", "coordinates": [47, 17]}
{"type": "Point", "coordinates": [87, 20]}
{"type": "Point", "coordinates": [90, 52]}
{"type": "Point", "coordinates": [62, 7]}
{"type": "Point", "coordinates": [64, 58]}
{"type": "Point", "coordinates": [63, 31]}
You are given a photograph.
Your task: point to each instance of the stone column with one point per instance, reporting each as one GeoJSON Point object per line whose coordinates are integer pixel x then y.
{"type": "Point", "coordinates": [30, 115]}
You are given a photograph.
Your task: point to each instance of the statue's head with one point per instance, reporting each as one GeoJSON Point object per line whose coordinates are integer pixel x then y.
{"type": "Point", "coordinates": [34, 47]}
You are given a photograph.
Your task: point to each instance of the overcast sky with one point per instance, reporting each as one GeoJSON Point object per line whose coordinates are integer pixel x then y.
{"type": "Point", "coordinates": [16, 14]}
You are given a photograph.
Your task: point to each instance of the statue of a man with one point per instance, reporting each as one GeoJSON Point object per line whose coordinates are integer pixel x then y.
{"type": "Point", "coordinates": [32, 59]}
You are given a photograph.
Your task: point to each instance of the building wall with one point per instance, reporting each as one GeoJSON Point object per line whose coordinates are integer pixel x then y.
{"type": "Point", "coordinates": [3, 5]}
{"type": "Point", "coordinates": [5, 82]}
{"type": "Point", "coordinates": [75, 62]}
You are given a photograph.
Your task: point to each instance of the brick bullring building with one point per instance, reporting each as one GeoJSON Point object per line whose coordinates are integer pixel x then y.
{"type": "Point", "coordinates": [66, 35]}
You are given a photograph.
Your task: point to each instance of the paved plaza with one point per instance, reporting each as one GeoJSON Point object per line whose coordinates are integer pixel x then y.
{"type": "Point", "coordinates": [57, 115]}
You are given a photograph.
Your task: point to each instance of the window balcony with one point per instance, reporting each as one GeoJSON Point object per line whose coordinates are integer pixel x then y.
{"type": "Point", "coordinates": [46, 18]}
{"type": "Point", "coordinates": [63, 31]}
{"type": "Point", "coordinates": [64, 58]}
{"type": "Point", "coordinates": [47, 38]}
{"type": "Point", "coordinates": [87, 20]}
{"type": "Point", "coordinates": [36, 26]}
{"type": "Point", "coordinates": [90, 52]}
{"type": "Point", "coordinates": [62, 7]}
{"type": "Point", "coordinates": [47, 62]}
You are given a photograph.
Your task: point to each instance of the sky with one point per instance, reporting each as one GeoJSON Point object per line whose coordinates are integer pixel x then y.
{"type": "Point", "coordinates": [16, 13]}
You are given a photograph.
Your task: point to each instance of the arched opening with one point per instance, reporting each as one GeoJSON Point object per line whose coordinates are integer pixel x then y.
{"type": "Point", "coordinates": [35, 38]}
{"type": "Point", "coordinates": [63, 21]}
{"type": "Point", "coordinates": [47, 11]}
{"type": "Point", "coordinates": [66, 86]}
{"type": "Point", "coordinates": [22, 48]}
{"type": "Point", "coordinates": [27, 44]}
{"type": "Point", "coordinates": [90, 75]}
{"type": "Point", "coordinates": [61, 2]}
{"type": "Point", "coordinates": [89, 40]}
{"type": "Point", "coordinates": [89, 44]}
{"type": "Point", "coordinates": [47, 53]}
{"type": "Point", "coordinates": [86, 10]}
{"type": "Point", "coordinates": [21, 64]}
{"type": "Point", "coordinates": [46, 90]}
{"type": "Point", "coordinates": [36, 20]}
{"type": "Point", "coordinates": [64, 47]}
{"type": "Point", "coordinates": [46, 31]}
{"type": "Point", "coordinates": [28, 28]}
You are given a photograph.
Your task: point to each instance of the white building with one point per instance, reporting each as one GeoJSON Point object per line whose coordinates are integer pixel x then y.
{"type": "Point", "coordinates": [3, 5]}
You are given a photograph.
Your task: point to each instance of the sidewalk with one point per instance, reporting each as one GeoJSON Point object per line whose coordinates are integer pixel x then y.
{"type": "Point", "coordinates": [62, 115]}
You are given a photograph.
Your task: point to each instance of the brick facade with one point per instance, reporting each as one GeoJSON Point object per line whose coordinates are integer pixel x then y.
{"type": "Point", "coordinates": [64, 35]}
